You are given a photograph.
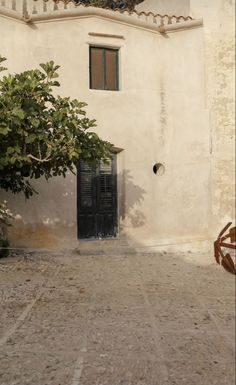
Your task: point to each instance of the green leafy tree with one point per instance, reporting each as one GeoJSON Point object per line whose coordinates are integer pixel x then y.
{"type": "Point", "coordinates": [113, 4]}
{"type": "Point", "coordinates": [42, 134]}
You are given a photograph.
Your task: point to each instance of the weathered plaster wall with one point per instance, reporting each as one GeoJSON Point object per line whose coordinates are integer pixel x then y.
{"type": "Point", "coordinates": [47, 220]}
{"type": "Point", "coordinates": [174, 107]}
{"type": "Point", "coordinates": [219, 40]}
{"type": "Point", "coordinates": [13, 34]}
{"type": "Point", "coordinates": [159, 115]}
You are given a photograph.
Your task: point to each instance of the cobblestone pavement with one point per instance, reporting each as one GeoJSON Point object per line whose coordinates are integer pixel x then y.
{"type": "Point", "coordinates": [151, 319]}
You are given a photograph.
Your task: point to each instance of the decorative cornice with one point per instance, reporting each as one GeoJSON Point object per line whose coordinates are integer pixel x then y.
{"type": "Point", "coordinates": [33, 11]}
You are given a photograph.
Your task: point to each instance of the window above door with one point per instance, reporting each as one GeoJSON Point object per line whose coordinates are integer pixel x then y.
{"type": "Point", "coordinates": [104, 68]}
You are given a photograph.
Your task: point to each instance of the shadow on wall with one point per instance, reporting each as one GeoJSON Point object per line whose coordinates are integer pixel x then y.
{"type": "Point", "coordinates": [130, 195]}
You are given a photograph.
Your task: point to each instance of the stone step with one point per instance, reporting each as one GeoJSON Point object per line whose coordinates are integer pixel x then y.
{"type": "Point", "coordinates": [113, 246]}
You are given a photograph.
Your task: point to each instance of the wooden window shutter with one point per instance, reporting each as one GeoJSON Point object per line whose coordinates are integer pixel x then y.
{"type": "Point", "coordinates": [111, 69]}
{"type": "Point", "coordinates": [96, 68]}
{"type": "Point", "coordinates": [104, 68]}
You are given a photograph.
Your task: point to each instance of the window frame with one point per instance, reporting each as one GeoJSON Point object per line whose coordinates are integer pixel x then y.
{"type": "Point", "coordinates": [104, 49]}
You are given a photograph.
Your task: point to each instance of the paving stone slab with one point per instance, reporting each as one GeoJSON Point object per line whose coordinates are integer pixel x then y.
{"type": "Point", "coordinates": [31, 368]}
{"type": "Point", "coordinates": [121, 370]}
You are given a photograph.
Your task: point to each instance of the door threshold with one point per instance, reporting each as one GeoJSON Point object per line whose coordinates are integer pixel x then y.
{"type": "Point", "coordinates": [98, 239]}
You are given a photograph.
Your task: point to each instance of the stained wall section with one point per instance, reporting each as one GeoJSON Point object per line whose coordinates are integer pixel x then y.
{"type": "Point", "coordinates": [219, 43]}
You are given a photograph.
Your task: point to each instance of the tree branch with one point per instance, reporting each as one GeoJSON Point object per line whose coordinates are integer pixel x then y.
{"type": "Point", "coordinates": [39, 151]}
{"type": "Point", "coordinates": [47, 159]}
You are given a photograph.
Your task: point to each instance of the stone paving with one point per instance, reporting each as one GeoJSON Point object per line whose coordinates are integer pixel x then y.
{"type": "Point", "coordinates": [138, 319]}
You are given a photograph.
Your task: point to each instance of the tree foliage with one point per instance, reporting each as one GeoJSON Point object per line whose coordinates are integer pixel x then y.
{"type": "Point", "coordinates": [113, 4]}
{"type": "Point", "coordinates": [42, 134]}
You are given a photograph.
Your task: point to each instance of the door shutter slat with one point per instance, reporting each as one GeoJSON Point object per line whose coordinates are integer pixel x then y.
{"type": "Point", "coordinates": [105, 186]}
{"type": "Point", "coordinates": [86, 190]}
{"type": "Point", "coordinates": [85, 186]}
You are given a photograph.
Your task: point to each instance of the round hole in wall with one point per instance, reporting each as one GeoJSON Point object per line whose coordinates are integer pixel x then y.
{"type": "Point", "coordinates": [159, 169]}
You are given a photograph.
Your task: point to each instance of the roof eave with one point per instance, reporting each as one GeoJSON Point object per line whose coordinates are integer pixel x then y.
{"type": "Point", "coordinates": [150, 22]}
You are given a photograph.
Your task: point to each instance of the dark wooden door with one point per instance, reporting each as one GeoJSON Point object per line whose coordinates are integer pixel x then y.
{"type": "Point", "coordinates": [97, 200]}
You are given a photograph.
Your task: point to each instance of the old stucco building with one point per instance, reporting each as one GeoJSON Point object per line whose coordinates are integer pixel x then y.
{"type": "Point", "coordinates": [169, 112]}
